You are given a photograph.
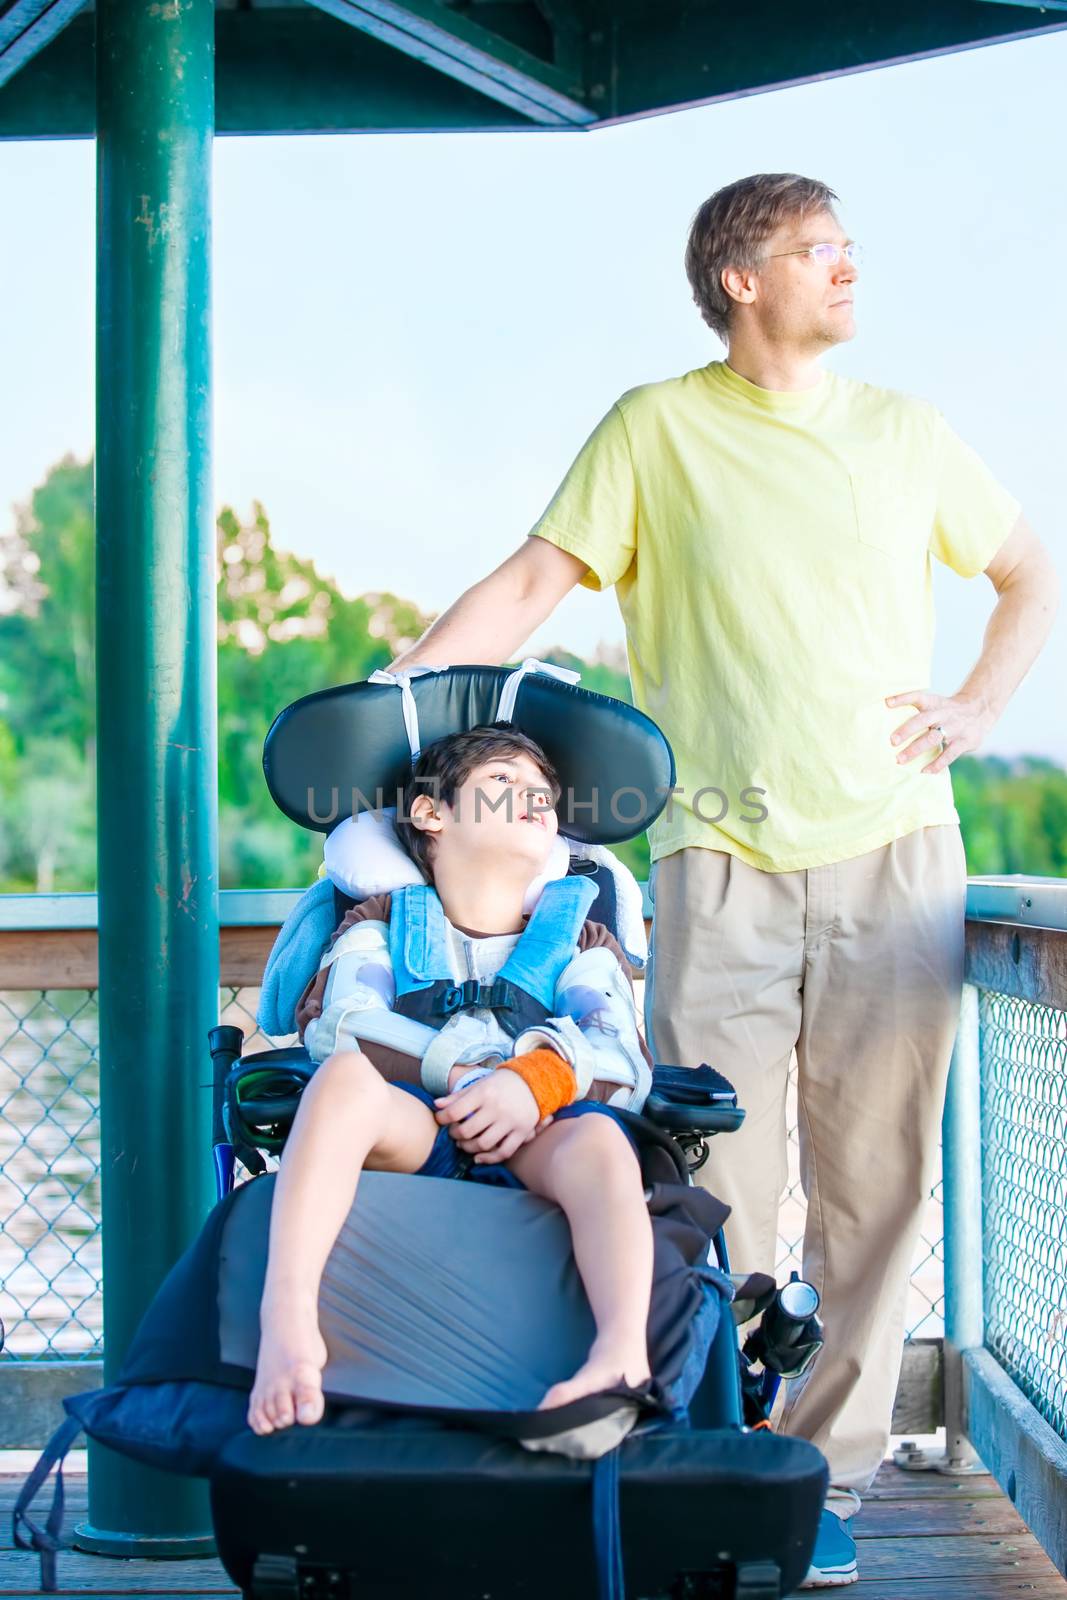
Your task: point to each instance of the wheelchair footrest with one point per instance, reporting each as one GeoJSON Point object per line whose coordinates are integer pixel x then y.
{"type": "Point", "coordinates": [394, 1511]}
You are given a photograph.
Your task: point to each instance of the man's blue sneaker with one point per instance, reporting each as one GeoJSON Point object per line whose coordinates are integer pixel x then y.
{"type": "Point", "coordinates": [834, 1560]}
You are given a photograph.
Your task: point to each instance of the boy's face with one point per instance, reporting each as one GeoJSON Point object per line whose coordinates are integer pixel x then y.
{"type": "Point", "coordinates": [501, 818]}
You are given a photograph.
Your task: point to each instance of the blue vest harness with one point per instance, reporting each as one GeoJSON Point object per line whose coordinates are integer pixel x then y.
{"type": "Point", "coordinates": [522, 993]}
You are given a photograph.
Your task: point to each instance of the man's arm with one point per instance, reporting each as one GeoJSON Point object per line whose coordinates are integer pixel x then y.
{"type": "Point", "coordinates": [489, 622]}
{"type": "Point", "coordinates": [1028, 587]}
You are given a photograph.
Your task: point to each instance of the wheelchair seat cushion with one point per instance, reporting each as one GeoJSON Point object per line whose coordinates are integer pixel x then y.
{"type": "Point", "coordinates": [456, 1300]}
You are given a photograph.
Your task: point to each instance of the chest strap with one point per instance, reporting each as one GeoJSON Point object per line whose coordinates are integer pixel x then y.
{"type": "Point", "coordinates": [512, 1006]}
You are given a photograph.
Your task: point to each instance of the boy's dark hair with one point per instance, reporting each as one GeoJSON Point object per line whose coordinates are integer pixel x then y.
{"type": "Point", "coordinates": [444, 766]}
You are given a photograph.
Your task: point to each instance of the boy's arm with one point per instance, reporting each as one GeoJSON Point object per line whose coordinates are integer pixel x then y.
{"type": "Point", "coordinates": [355, 980]}
{"type": "Point", "coordinates": [591, 1050]}
{"type": "Point", "coordinates": [352, 996]}
{"type": "Point", "coordinates": [594, 1026]}
{"type": "Point", "coordinates": [508, 1105]}
{"type": "Point", "coordinates": [309, 1006]}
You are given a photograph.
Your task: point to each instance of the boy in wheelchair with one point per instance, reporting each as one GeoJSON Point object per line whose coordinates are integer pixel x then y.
{"type": "Point", "coordinates": [519, 1088]}
{"type": "Point", "coordinates": [466, 965]}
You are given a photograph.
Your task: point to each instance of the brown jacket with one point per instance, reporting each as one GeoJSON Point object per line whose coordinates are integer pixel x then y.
{"type": "Point", "coordinates": [394, 1064]}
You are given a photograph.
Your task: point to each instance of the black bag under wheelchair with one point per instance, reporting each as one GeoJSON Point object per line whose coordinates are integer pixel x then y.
{"type": "Point", "coordinates": [448, 1308]}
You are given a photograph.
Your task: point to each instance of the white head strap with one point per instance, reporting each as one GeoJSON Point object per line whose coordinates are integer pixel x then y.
{"type": "Point", "coordinates": [402, 680]}
{"type": "Point", "coordinates": [505, 710]}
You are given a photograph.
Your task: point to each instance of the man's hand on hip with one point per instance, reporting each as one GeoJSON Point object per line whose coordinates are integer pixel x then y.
{"type": "Point", "coordinates": [948, 724]}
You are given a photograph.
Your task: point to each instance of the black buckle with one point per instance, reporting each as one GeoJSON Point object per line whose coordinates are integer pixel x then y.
{"type": "Point", "coordinates": [474, 994]}
{"type": "Point", "coordinates": [458, 997]}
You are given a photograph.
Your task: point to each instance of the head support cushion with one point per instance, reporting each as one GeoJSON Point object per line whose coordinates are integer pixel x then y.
{"type": "Point", "coordinates": [364, 857]}
{"type": "Point", "coordinates": [346, 750]}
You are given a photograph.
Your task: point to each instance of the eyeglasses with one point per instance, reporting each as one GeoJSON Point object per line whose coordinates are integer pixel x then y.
{"type": "Point", "coordinates": [827, 255]}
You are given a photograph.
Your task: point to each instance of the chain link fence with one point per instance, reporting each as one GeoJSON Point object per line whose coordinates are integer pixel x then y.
{"type": "Point", "coordinates": [1023, 1050]}
{"type": "Point", "coordinates": [50, 1294]}
{"type": "Point", "coordinates": [925, 1311]}
{"type": "Point", "coordinates": [49, 1172]}
{"type": "Point", "coordinates": [50, 1277]}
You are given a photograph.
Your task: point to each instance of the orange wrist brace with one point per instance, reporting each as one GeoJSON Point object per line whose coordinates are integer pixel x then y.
{"type": "Point", "coordinates": [548, 1077]}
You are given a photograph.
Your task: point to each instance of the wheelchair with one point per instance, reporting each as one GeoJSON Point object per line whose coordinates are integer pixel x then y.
{"type": "Point", "coordinates": [357, 742]}
{"type": "Point", "coordinates": [449, 1307]}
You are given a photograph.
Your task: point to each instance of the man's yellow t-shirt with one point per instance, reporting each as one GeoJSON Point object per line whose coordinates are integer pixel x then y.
{"type": "Point", "coordinates": [771, 554]}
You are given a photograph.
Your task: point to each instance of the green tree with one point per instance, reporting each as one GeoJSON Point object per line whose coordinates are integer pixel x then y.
{"type": "Point", "coordinates": [58, 812]}
{"type": "Point", "coordinates": [284, 629]}
{"type": "Point", "coordinates": [9, 765]}
{"type": "Point", "coordinates": [47, 648]}
{"type": "Point", "coordinates": [1013, 814]}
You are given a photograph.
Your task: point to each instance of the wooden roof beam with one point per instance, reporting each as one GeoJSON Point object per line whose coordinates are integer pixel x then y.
{"type": "Point", "coordinates": [448, 42]}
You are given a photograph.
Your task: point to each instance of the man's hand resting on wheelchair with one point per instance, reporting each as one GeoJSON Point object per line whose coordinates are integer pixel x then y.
{"type": "Point", "coordinates": [494, 1117]}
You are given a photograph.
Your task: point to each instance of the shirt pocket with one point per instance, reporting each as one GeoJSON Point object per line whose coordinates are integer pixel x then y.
{"type": "Point", "coordinates": [891, 514]}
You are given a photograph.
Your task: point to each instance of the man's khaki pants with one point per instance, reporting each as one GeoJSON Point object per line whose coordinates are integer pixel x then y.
{"type": "Point", "coordinates": [859, 966]}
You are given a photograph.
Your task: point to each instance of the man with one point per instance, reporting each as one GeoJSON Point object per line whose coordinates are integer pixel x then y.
{"type": "Point", "coordinates": [769, 528]}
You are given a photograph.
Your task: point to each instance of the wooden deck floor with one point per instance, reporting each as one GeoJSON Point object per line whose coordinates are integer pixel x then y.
{"type": "Point", "coordinates": [920, 1536]}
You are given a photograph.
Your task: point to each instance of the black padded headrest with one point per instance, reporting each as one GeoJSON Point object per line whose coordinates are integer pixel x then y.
{"type": "Point", "coordinates": [341, 751]}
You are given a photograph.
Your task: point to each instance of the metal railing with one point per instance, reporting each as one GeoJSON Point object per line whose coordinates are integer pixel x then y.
{"type": "Point", "coordinates": [998, 1276]}
{"type": "Point", "coordinates": [50, 1247]}
{"type": "Point", "coordinates": [1023, 1052]}
{"type": "Point", "coordinates": [50, 1146]}
{"type": "Point", "coordinates": [49, 1173]}
{"type": "Point", "coordinates": [1005, 1167]}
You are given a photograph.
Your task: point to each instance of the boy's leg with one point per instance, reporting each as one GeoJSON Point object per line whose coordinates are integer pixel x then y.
{"type": "Point", "coordinates": [589, 1168]}
{"type": "Point", "coordinates": [349, 1118]}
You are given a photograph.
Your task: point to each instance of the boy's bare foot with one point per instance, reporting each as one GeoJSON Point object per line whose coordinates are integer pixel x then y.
{"type": "Point", "coordinates": [292, 1354]}
{"type": "Point", "coordinates": [608, 1367]}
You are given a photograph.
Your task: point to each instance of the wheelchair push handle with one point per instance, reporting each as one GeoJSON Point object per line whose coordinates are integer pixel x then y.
{"type": "Point", "coordinates": [225, 1043]}
{"type": "Point", "coordinates": [790, 1333]}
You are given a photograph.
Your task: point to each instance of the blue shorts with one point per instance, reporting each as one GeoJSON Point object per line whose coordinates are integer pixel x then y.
{"type": "Point", "coordinates": [447, 1160]}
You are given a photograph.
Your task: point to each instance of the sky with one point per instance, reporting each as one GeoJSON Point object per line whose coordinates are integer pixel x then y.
{"type": "Point", "coordinates": [414, 334]}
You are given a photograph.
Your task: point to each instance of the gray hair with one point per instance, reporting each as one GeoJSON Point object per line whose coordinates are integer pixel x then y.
{"type": "Point", "coordinates": [732, 227]}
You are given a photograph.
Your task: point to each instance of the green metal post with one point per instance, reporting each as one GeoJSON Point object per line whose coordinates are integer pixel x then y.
{"type": "Point", "coordinates": [156, 704]}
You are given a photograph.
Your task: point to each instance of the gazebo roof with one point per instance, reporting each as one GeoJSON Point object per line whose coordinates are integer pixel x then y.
{"type": "Point", "coordinates": [349, 66]}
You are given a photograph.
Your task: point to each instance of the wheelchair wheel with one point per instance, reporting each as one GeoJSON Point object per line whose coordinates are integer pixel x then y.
{"type": "Point", "coordinates": [751, 1580]}
{"type": "Point", "coordinates": [758, 1580]}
